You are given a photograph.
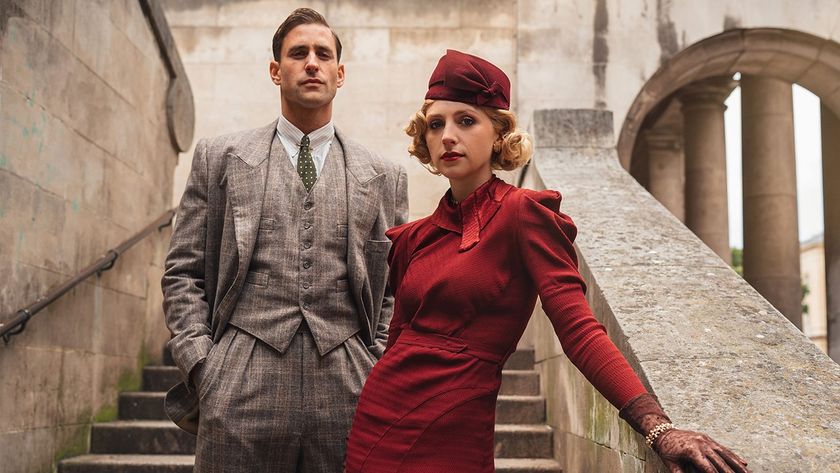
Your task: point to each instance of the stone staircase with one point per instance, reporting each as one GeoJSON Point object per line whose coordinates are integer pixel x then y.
{"type": "Point", "coordinates": [144, 441]}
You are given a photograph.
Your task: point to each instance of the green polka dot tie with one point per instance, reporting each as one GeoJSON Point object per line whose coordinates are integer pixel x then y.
{"type": "Point", "coordinates": [306, 165]}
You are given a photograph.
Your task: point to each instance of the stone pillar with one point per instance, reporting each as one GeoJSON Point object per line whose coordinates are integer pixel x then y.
{"type": "Point", "coordinates": [706, 211]}
{"type": "Point", "coordinates": [666, 170]}
{"type": "Point", "coordinates": [831, 235]}
{"type": "Point", "coordinates": [771, 233]}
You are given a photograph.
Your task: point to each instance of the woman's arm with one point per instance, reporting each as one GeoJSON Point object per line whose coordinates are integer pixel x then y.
{"type": "Point", "coordinates": [545, 240]}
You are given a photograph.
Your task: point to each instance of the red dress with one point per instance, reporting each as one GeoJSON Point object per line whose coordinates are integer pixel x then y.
{"type": "Point", "coordinates": [466, 280]}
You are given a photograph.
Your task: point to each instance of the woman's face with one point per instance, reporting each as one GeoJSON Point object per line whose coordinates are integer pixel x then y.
{"type": "Point", "coordinates": [460, 140]}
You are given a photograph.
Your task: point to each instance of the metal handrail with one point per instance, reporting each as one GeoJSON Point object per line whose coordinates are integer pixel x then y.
{"type": "Point", "coordinates": [17, 324]}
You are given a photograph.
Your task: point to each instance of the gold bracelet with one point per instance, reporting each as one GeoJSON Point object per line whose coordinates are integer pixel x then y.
{"type": "Point", "coordinates": [656, 432]}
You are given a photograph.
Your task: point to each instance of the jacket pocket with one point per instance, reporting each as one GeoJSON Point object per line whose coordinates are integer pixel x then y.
{"type": "Point", "coordinates": [257, 279]}
{"type": "Point", "coordinates": [267, 225]}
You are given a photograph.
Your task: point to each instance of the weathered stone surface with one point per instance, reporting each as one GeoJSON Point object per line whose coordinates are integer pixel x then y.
{"type": "Point", "coordinates": [85, 160]}
{"type": "Point", "coordinates": [573, 128]}
{"type": "Point", "coordinates": [522, 441]}
{"type": "Point", "coordinates": [520, 360]}
{"type": "Point", "coordinates": [526, 465]}
{"type": "Point", "coordinates": [699, 336]}
{"type": "Point", "coordinates": [520, 409]}
{"type": "Point", "coordinates": [144, 437]}
{"type": "Point", "coordinates": [128, 464]}
{"type": "Point", "coordinates": [142, 406]}
{"type": "Point", "coordinates": [523, 382]}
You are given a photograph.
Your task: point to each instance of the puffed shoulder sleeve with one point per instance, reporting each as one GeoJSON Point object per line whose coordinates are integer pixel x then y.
{"type": "Point", "coordinates": [546, 244]}
{"type": "Point", "coordinates": [398, 259]}
{"type": "Point", "coordinates": [546, 240]}
{"type": "Point", "coordinates": [399, 254]}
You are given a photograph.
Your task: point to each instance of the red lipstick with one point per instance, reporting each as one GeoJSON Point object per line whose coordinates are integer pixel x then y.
{"type": "Point", "coordinates": [451, 156]}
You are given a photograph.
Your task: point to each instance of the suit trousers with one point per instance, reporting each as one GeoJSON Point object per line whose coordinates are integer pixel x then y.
{"type": "Point", "coordinates": [266, 411]}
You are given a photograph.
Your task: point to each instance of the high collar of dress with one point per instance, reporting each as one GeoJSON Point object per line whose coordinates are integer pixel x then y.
{"type": "Point", "coordinates": [472, 214]}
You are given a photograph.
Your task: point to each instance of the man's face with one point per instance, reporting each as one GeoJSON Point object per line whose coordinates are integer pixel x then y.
{"type": "Point", "coordinates": [308, 72]}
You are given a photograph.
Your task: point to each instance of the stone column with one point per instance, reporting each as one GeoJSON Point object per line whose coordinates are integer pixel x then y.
{"type": "Point", "coordinates": [706, 211]}
{"type": "Point", "coordinates": [666, 170]}
{"type": "Point", "coordinates": [831, 235]}
{"type": "Point", "coordinates": [771, 233]}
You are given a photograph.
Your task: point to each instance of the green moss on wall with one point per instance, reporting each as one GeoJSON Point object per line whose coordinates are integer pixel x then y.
{"type": "Point", "coordinates": [78, 443]}
{"type": "Point", "coordinates": [106, 413]}
{"type": "Point", "coordinates": [129, 380]}
{"type": "Point", "coordinates": [601, 417]}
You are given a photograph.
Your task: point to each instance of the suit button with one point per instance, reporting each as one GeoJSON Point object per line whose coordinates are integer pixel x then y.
{"type": "Point", "coordinates": [305, 306]}
{"type": "Point", "coordinates": [305, 285]}
{"type": "Point", "coordinates": [307, 226]}
{"type": "Point", "coordinates": [307, 245]}
{"type": "Point", "coordinates": [307, 206]}
{"type": "Point", "coordinates": [306, 264]}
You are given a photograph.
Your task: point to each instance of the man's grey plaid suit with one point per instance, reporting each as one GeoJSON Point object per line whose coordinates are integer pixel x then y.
{"type": "Point", "coordinates": [280, 294]}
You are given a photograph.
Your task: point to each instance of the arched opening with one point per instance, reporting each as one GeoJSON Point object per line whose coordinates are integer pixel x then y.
{"type": "Point", "coordinates": [672, 141]}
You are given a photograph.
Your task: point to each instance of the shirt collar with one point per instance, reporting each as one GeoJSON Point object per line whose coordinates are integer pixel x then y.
{"type": "Point", "coordinates": [317, 138]}
{"type": "Point", "coordinates": [471, 215]}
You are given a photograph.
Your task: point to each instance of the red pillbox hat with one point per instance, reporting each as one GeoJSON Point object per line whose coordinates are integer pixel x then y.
{"type": "Point", "coordinates": [465, 78]}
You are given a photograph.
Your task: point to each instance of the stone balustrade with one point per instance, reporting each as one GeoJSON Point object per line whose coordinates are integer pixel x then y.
{"type": "Point", "coordinates": [720, 358]}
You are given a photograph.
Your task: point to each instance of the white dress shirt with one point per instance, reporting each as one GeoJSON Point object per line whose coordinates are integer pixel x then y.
{"type": "Point", "coordinates": [319, 141]}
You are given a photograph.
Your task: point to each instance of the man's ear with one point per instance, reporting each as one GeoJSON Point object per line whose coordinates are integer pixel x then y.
{"type": "Point", "coordinates": [340, 75]}
{"type": "Point", "coordinates": [274, 72]}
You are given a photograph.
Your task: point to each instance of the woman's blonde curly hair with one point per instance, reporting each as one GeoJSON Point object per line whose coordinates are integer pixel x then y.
{"type": "Point", "coordinates": [516, 147]}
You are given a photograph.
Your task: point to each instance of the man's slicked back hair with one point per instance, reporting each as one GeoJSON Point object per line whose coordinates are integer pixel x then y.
{"type": "Point", "coordinates": [301, 16]}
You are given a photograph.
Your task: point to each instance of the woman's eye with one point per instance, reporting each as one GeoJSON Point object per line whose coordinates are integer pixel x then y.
{"type": "Point", "coordinates": [435, 124]}
{"type": "Point", "coordinates": [467, 121]}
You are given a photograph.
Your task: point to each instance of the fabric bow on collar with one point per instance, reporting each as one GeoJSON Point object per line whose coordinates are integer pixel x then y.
{"type": "Point", "coordinates": [471, 216]}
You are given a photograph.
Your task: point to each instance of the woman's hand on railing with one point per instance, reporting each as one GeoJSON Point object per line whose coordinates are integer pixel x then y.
{"type": "Point", "coordinates": [679, 448]}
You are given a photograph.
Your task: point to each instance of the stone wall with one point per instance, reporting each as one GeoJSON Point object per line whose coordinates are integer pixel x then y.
{"type": "Point", "coordinates": [720, 358]}
{"type": "Point", "coordinates": [86, 160]}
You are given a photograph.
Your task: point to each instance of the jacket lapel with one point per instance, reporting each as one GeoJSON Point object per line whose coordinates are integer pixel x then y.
{"type": "Point", "coordinates": [364, 196]}
{"type": "Point", "coordinates": [246, 172]}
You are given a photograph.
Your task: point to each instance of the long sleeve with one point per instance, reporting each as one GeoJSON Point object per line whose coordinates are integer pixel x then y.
{"type": "Point", "coordinates": [545, 240]}
{"type": "Point", "coordinates": [185, 304]}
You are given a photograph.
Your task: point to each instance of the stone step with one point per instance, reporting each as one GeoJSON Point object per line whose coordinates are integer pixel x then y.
{"type": "Point", "coordinates": [520, 360]}
{"type": "Point", "coordinates": [160, 378]}
{"type": "Point", "coordinates": [141, 436]}
{"type": "Point", "coordinates": [520, 410]}
{"type": "Point", "coordinates": [523, 441]}
{"type": "Point", "coordinates": [128, 464]}
{"type": "Point", "coordinates": [141, 406]}
{"type": "Point", "coordinates": [527, 465]}
{"type": "Point", "coordinates": [520, 382]}
{"type": "Point", "coordinates": [184, 464]}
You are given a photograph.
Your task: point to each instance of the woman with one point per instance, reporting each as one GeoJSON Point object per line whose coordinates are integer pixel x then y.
{"type": "Point", "coordinates": [466, 280]}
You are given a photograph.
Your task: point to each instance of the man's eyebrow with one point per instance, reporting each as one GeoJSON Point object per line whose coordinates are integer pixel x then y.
{"type": "Point", "coordinates": [298, 48]}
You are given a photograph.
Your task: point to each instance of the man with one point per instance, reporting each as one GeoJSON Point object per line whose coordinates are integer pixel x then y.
{"type": "Point", "coordinates": [275, 282]}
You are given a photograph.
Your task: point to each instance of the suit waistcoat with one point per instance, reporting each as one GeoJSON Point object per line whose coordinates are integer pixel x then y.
{"type": "Point", "coordinates": [298, 270]}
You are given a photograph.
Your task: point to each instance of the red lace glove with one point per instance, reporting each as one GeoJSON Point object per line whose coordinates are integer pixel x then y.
{"type": "Point", "coordinates": [680, 449]}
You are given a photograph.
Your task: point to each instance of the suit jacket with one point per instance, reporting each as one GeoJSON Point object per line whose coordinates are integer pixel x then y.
{"type": "Point", "coordinates": [216, 230]}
